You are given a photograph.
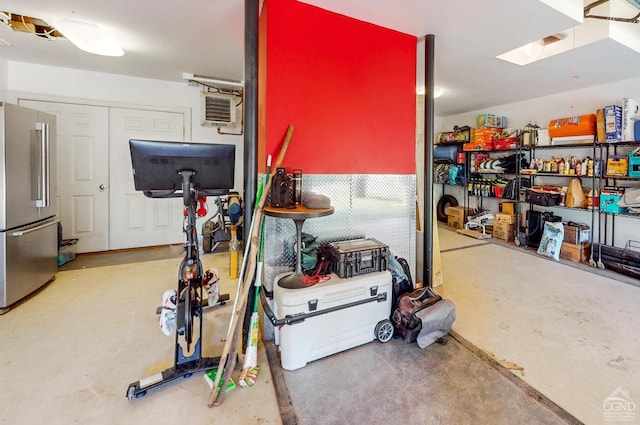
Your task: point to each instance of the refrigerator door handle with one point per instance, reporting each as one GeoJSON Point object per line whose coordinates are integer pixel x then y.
{"type": "Point", "coordinates": [34, 229]}
{"type": "Point", "coordinates": [42, 199]}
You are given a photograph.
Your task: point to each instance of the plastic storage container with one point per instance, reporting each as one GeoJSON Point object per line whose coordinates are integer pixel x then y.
{"type": "Point", "coordinates": [330, 317]}
{"type": "Point", "coordinates": [67, 251]}
{"type": "Point", "coordinates": [359, 256]}
{"type": "Point", "coordinates": [584, 125]}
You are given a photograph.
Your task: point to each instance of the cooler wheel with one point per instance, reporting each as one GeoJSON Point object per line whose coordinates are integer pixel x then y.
{"type": "Point", "coordinates": [384, 330]}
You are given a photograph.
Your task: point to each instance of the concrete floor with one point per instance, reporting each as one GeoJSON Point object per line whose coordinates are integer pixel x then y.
{"type": "Point", "coordinates": [70, 351]}
{"type": "Point", "coordinates": [398, 383]}
{"type": "Point", "coordinates": [571, 334]}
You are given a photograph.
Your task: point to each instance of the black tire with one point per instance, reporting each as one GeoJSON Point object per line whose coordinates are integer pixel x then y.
{"type": "Point", "coordinates": [443, 203]}
{"type": "Point", "coordinates": [189, 305]}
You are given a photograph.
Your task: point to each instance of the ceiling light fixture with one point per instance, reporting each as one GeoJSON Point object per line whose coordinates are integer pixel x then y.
{"type": "Point", "coordinates": [634, 20]}
{"type": "Point", "coordinates": [89, 37]}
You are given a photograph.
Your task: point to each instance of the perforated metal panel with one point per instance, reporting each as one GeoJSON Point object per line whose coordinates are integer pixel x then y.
{"type": "Point", "coordinates": [376, 206]}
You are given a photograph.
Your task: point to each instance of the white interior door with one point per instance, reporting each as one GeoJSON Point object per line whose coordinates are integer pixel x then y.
{"type": "Point", "coordinates": [83, 171]}
{"type": "Point", "coordinates": [135, 220]}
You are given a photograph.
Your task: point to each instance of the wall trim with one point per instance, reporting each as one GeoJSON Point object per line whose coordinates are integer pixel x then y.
{"type": "Point", "coordinates": [15, 96]}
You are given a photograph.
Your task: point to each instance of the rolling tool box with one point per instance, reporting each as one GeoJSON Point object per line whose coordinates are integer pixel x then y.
{"type": "Point", "coordinates": [359, 256]}
{"type": "Point", "coordinates": [330, 317]}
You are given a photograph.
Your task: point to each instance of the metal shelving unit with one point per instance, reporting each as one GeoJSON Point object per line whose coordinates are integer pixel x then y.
{"type": "Point", "coordinates": [610, 218]}
{"type": "Point", "coordinates": [595, 178]}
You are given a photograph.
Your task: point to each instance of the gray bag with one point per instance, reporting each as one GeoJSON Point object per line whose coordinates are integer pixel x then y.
{"type": "Point", "coordinates": [437, 321]}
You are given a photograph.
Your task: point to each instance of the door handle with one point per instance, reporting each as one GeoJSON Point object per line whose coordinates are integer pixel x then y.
{"type": "Point", "coordinates": [42, 199]}
{"type": "Point", "coordinates": [102, 187]}
{"type": "Point", "coordinates": [33, 229]}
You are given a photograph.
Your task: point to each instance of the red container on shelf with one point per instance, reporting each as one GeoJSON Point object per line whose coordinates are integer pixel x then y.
{"type": "Point", "coordinates": [504, 144]}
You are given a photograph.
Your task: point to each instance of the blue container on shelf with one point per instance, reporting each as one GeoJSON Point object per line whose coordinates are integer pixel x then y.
{"type": "Point", "coordinates": [609, 201]}
{"type": "Point", "coordinates": [634, 161]}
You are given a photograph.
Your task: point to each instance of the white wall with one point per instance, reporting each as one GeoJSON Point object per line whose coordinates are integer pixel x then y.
{"type": "Point", "coordinates": [542, 110]}
{"type": "Point", "coordinates": [4, 79]}
{"type": "Point", "coordinates": [55, 83]}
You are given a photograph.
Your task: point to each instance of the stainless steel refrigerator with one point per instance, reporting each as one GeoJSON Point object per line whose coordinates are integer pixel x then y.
{"type": "Point", "coordinates": [28, 202]}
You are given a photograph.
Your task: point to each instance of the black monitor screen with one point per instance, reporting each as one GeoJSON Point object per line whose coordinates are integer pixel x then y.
{"type": "Point", "coordinates": [156, 165]}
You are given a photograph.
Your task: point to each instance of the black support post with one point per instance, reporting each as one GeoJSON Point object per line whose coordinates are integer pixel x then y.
{"type": "Point", "coordinates": [251, 111]}
{"type": "Point", "coordinates": [427, 273]}
{"type": "Point", "coordinates": [251, 17]}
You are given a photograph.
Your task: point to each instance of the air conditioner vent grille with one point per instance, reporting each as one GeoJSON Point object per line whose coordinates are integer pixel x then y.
{"type": "Point", "coordinates": [218, 110]}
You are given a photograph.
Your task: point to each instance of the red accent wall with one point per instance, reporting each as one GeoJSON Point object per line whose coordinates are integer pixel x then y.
{"type": "Point", "coordinates": [347, 86]}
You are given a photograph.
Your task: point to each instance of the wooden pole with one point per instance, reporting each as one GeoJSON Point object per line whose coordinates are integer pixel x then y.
{"type": "Point", "coordinates": [231, 343]}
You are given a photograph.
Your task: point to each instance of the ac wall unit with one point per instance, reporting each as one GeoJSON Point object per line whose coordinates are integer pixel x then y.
{"type": "Point", "coordinates": [217, 110]}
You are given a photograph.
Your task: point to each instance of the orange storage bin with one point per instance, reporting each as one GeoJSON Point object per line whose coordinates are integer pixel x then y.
{"type": "Point", "coordinates": [478, 146]}
{"type": "Point", "coordinates": [485, 134]}
{"type": "Point", "coordinates": [584, 125]}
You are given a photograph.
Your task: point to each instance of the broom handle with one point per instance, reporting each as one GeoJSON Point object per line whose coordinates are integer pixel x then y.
{"type": "Point", "coordinates": [246, 283]}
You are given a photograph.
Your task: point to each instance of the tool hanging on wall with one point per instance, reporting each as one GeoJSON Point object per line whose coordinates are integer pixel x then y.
{"type": "Point", "coordinates": [235, 219]}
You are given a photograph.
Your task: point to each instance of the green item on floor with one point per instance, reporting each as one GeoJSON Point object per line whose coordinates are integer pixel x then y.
{"type": "Point", "coordinates": [210, 375]}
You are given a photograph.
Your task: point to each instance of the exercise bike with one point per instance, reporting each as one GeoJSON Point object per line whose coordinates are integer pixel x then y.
{"type": "Point", "coordinates": [189, 296]}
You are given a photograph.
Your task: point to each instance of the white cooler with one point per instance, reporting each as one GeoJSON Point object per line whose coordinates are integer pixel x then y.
{"type": "Point", "coordinates": [330, 317]}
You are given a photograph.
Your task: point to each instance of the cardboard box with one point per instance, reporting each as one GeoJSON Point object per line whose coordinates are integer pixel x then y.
{"type": "Point", "coordinates": [617, 165]}
{"type": "Point", "coordinates": [630, 114]}
{"type": "Point", "coordinates": [576, 233]}
{"type": "Point", "coordinates": [507, 207]}
{"type": "Point", "coordinates": [455, 222]}
{"type": "Point", "coordinates": [476, 160]}
{"type": "Point", "coordinates": [506, 218]}
{"type": "Point", "coordinates": [503, 231]}
{"type": "Point", "coordinates": [485, 134]}
{"type": "Point", "coordinates": [491, 120]}
{"type": "Point", "coordinates": [456, 216]}
{"type": "Point", "coordinates": [612, 116]}
{"type": "Point", "coordinates": [575, 252]}
{"type": "Point", "coordinates": [601, 136]}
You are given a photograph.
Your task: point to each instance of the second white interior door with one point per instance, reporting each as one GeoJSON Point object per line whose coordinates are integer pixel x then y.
{"type": "Point", "coordinates": [135, 220]}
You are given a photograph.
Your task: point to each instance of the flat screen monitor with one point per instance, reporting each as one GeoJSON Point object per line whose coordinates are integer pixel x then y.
{"type": "Point", "coordinates": [157, 166]}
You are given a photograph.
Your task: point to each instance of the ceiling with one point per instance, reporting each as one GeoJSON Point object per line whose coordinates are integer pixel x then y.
{"type": "Point", "coordinates": [163, 39]}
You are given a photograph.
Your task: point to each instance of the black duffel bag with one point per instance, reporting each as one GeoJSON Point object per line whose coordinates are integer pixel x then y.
{"type": "Point", "coordinates": [538, 197]}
